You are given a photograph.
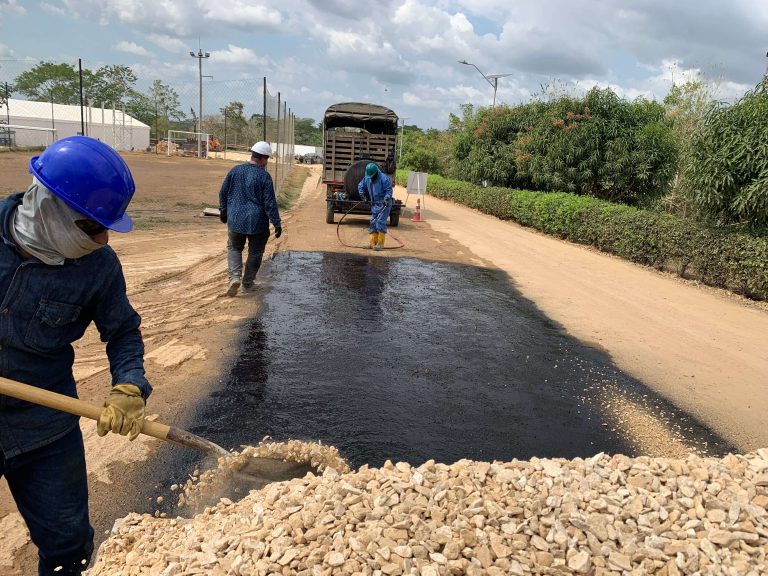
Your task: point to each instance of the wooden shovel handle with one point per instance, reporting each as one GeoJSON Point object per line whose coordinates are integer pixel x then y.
{"type": "Point", "coordinates": [85, 409]}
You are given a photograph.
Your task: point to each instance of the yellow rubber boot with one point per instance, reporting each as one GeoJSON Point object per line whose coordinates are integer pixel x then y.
{"type": "Point", "coordinates": [374, 239]}
{"type": "Point", "coordinates": [382, 237]}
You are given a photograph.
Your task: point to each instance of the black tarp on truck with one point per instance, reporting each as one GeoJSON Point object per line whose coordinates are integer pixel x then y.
{"type": "Point", "coordinates": [354, 134]}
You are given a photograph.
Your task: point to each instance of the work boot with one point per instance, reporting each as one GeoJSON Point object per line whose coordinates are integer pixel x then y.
{"type": "Point", "coordinates": [234, 286]}
{"type": "Point", "coordinates": [374, 239]}
{"type": "Point", "coordinates": [382, 237]}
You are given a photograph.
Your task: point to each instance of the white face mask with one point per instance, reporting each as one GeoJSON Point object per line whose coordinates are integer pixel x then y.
{"type": "Point", "coordinates": [44, 226]}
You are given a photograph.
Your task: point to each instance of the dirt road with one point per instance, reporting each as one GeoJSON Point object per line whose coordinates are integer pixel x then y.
{"type": "Point", "coordinates": [701, 348]}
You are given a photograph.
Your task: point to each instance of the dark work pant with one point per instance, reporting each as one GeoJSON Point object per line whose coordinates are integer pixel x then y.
{"type": "Point", "coordinates": [235, 245]}
{"type": "Point", "coordinates": [50, 488]}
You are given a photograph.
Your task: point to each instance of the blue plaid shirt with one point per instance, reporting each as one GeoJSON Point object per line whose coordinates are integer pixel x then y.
{"type": "Point", "coordinates": [45, 309]}
{"type": "Point", "coordinates": [248, 198]}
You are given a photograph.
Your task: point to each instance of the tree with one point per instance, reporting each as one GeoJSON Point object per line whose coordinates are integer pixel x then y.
{"type": "Point", "coordinates": [49, 81]}
{"type": "Point", "coordinates": [307, 133]}
{"type": "Point", "coordinates": [237, 125]}
{"type": "Point", "coordinates": [60, 83]}
{"type": "Point", "coordinates": [157, 107]}
{"type": "Point", "coordinates": [166, 100]}
{"type": "Point", "coordinates": [686, 106]}
{"type": "Point", "coordinates": [598, 145]}
{"type": "Point", "coordinates": [112, 85]}
{"type": "Point", "coordinates": [727, 170]}
{"type": "Point", "coordinates": [428, 151]}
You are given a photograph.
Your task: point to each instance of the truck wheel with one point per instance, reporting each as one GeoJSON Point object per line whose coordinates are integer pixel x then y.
{"type": "Point", "coordinates": [329, 212]}
{"type": "Point", "coordinates": [394, 219]}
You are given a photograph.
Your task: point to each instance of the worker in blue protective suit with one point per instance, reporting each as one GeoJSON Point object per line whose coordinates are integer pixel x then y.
{"type": "Point", "coordinates": [376, 188]}
{"type": "Point", "coordinates": [57, 276]}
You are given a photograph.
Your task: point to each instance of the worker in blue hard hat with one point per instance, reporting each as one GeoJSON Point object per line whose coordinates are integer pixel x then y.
{"type": "Point", "coordinates": [376, 187]}
{"type": "Point", "coordinates": [57, 275]}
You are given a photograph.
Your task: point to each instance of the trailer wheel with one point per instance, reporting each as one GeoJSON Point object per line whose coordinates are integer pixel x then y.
{"type": "Point", "coordinates": [329, 212]}
{"type": "Point", "coordinates": [394, 219]}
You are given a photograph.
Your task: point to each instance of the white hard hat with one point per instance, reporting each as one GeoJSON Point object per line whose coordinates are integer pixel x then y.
{"type": "Point", "coordinates": [262, 148]}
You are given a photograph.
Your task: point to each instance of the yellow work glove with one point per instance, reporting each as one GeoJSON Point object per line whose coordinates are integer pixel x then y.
{"type": "Point", "coordinates": [123, 412]}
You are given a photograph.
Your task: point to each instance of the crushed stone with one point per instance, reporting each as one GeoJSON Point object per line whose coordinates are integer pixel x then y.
{"type": "Point", "coordinates": [604, 515]}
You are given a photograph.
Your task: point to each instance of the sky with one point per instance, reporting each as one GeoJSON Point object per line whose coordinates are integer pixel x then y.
{"type": "Point", "coordinates": [403, 54]}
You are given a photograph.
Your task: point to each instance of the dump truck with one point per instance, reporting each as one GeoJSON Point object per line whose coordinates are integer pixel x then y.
{"type": "Point", "coordinates": [355, 134]}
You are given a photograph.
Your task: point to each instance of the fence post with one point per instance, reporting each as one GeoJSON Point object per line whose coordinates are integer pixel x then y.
{"type": "Point", "coordinates": [264, 110]}
{"type": "Point", "coordinates": [277, 147]}
{"type": "Point", "coordinates": [82, 117]}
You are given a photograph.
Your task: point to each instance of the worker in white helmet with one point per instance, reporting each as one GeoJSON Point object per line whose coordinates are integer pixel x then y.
{"type": "Point", "coordinates": [247, 205]}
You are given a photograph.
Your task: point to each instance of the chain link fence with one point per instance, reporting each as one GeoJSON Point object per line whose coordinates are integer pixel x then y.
{"type": "Point", "coordinates": [200, 117]}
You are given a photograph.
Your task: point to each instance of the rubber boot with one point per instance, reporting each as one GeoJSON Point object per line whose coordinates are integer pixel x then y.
{"type": "Point", "coordinates": [382, 237]}
{"type": "Point", "coordinates": [374, 239]}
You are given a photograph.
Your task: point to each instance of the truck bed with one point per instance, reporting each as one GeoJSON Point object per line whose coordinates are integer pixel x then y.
{"type": "Point", "coordinates": [341, 149]}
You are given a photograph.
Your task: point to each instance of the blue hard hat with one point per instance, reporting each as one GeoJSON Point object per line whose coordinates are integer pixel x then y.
{"type": "Point", "coordinates": [90, 177]}
{"type": "Point", "coordinates": [371, 169]}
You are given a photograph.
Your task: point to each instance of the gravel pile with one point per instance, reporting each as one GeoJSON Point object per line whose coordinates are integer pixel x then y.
{"type": "Point", "coordinates": [603, 515]}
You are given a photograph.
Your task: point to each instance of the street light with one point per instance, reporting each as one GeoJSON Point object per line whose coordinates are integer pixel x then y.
{"type": "Point", "coordinates": [200, 55]}
{"type": "Point", "coordinates": [493, 79]}
{"type": "Point", "coordinates": [765, 75]}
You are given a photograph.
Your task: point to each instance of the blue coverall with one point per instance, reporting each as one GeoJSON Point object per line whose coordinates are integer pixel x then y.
{"type": "Point", "coordinates": [379, 192]}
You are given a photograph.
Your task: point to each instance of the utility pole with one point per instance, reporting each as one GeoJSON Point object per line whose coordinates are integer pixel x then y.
{"type": "Point", "coordinates": [402, 137]}
{"type": "Point", "coordinates": [200, 55]}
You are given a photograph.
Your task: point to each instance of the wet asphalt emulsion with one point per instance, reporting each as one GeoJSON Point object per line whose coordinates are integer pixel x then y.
{"type": "Point", "coordinates": [408, 360]}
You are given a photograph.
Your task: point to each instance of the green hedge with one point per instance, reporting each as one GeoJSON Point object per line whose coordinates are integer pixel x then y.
{"type": "Point", "coordinates": [722, 257]}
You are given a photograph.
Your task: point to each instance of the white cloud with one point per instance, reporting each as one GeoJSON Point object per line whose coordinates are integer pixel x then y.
{"type": "Point", "coordinates": [168, 43]}
{"type": "Point", "coordinates": [237, 55]}
{"type": "Point", "coordinates": [5, 52]}
{"type": "Point", "coordinates": [8, 6]}
{"type": "Point", "coordinates": [51, 9]}
{"type": "Point", "coordinates": [242, 14]}
{"type": "Point", "coordinates": [412, 99]}
{"type": "Point", "coordinates": [132, 48]}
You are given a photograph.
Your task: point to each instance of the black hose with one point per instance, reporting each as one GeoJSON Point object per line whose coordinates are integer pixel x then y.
{"type": "Point", "coordinates": [338, 235]}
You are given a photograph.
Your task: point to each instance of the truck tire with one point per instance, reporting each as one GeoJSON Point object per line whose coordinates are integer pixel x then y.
{"type": "Point", "coordinates": [328, 212]}
{"type": "Point", "coordinates": [352, 177]}
{"type": "Point", "coordinates": [394, 219]}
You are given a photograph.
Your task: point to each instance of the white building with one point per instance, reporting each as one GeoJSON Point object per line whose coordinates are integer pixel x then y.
{"type": "Point", "coordinates": [111, 126]}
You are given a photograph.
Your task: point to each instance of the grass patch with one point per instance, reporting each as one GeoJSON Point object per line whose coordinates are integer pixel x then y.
{"type": "Point", "coordinates": [150, 222]}
{"type": "Point", "coordinates": [291, 187]}
{"type": "Point", "coordinates": [195, 205]}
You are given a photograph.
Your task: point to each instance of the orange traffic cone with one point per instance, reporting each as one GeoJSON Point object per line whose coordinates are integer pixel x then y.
{"type": "Point", "coordinates": [417, 212]}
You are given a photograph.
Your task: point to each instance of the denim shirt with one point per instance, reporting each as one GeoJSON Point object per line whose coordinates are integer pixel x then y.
{"type": "Point", "coordinates": [43, 310]}
{"type": "Point", "coordinates": [248, 197]}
